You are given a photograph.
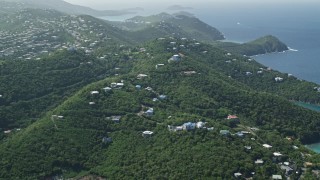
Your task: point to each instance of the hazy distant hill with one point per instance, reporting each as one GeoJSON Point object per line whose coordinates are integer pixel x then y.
{"type": "Point", "coordinates": [183, 25]}
{"type": "Point", "coordinates": [66, 7]}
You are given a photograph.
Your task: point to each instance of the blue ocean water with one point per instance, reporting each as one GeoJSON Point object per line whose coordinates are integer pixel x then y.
{"type": "Point", "coordinates": [297, 25]}
{"type": "Point", "coordinates": [314, 147]}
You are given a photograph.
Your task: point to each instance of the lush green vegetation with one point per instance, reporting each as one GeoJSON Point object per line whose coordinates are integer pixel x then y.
{"type": "Point", "coordinates": [72, 146]}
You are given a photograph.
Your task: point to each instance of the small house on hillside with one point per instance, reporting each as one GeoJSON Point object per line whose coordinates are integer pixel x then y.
{"type": "Point", "coordinates": [7, 132]}
{"type": "Point", "coordinates": [277, 154]}
{"type": "Point", "coordinates": [259, 161]}
{"type": "Point", "coordinates": [237, 175]}
{"type": "Point", "coordinates": [232, 117]}
{"type": "Point", "coordinates": [267, 146]}
{"type": "Point", "coordinates": [147, 133]}
{"type": "Point", "coordinates": [278, 79]}
{"type": "Point", "coordinates": [240, 134]}
{"type": "Point", "coordinates": [175, 58]}
{"type": "Point", "coordinates": [94, 92]}
{"type": "Point", "coordinates": [138, 87]}
{"type": "Point", "coordinates": [140, 76]}
{"type": "Point", "coordinates": [149, 112]}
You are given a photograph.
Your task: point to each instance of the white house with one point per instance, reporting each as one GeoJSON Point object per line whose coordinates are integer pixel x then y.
{"type": "Point", "coordinates": [278, 79]}
{"type": "Point", "coordinates": [267, 146]}
{"type": "Point", "coordinates": [147, 133]}
{"type": "Point", "coordinates": [94, 92]}
{"type": "Point", "coordinates": [277, 154]}
{"type": "Point", "coordinates": [259, 161]}
{"type": "Point", "coordinates": [140, 76]}
{"type": "Point", "coordinates": [278, 177]}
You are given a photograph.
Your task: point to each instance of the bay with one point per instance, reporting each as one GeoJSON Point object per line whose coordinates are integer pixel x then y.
{"type": "Point", "coordinates": [314, 147]}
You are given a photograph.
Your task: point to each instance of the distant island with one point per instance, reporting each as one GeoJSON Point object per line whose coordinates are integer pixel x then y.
{"type": "Point", "coordinates": [178, 8]}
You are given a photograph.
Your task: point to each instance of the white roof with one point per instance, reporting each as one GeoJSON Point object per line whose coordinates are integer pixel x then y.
{"type": "Point", "coordinates": [142, 75]}
{"type": "Point", "coordinates": [267, 146]}
{"type": "Point", "coordinates": [147, 132]}
{"type": "Point", "coordinates": [94, 92]}
{"type": "Point", "coordinates": [277, 154]}
{"type": "Point", "coordinates": [276, 177]}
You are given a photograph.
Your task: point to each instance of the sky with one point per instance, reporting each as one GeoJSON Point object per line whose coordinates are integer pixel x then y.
{"type": "Point", "coordinates": [121, 4]}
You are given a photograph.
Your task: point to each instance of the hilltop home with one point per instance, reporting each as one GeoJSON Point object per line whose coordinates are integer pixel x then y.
{"type": "Point", "coordinates": [162, 97]}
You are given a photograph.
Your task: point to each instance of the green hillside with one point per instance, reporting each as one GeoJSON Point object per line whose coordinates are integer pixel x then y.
{"type": "Point", "coordinates": [196, 88]}
{"type": "Point", "coordinates": [263, 45]}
